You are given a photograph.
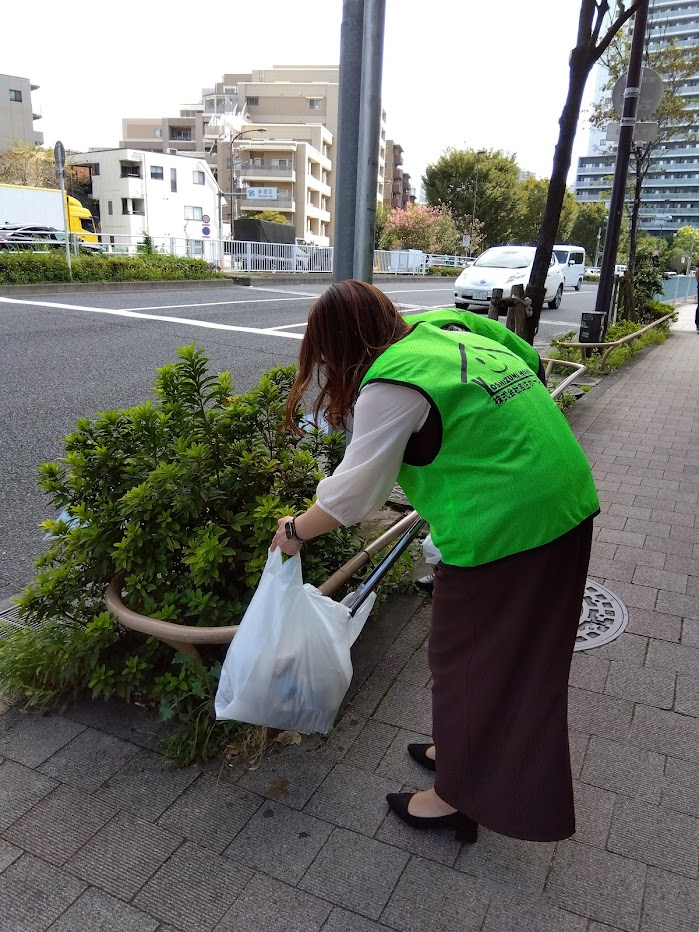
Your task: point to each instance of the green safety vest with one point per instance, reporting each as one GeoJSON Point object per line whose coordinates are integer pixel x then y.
{"type": "Point", "coordinates": [509, 475]}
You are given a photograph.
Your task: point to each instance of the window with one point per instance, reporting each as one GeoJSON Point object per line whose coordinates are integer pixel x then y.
{"type": "Point", "coordinates": [159, 133]}
{"type": "Point", "coordinates": [281, 163]}
{"type": "Point", "coordinates": [173, 180]}
{"type": "Point", "coordinates": [252, 101]}
{"type": "Point", "coordinates": [130, 171]}
{"type": "Point", "coordinates": [198, 177]}
{"type": "Point", "coordinates": [180, 135]}
{"type": "Point", "coordinates": [16, 95]}
{"type": "Point", "coordinates": [157, 172]}
{"type": "Point", "coordinates": [95, 169]}
{"type": "Point", "coordinates": [195, 247]}
{"type": "Point", "coordinates": [193, 213]}
{"type": "Point", "coordinates": [314, 103]}
{"type": "Point", "coordinates": [110, 208]}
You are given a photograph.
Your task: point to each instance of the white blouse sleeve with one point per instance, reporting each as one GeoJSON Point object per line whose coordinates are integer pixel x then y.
{"type": "Point", "coordinates": [384, 418]}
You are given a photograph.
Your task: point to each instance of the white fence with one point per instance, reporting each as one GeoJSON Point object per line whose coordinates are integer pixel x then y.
{"type": "Point", "coordinates": [249, 256]}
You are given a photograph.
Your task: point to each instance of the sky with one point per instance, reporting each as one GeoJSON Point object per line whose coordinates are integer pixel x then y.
{"type": "Point", "coordinates": [480, 74]}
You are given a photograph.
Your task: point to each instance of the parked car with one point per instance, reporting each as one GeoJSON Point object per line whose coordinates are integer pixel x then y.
{"type": "Point", "coordinates": [572, 260]}
{"type": "Point", "coordinates": [503, 267]}
{"type": "Point", "coordinates": [17, 236]}
{"type": "Point", "coordinates": [669, 274]}
{"type": "Point", "coordinates": [593, 271]}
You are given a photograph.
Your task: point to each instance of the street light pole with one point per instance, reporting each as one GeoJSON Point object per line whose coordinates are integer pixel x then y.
{"type": "Point", "coordinates": [234, 200]}
{"type": "Point", "coordinates": [475, 195]}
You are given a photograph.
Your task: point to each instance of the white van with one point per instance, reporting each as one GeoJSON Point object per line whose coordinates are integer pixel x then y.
{"type": "Point", "coordinates": [572, 261]}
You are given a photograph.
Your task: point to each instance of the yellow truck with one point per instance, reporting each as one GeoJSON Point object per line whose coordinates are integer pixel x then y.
{"type": "Point", "coordinates": [42, 207]}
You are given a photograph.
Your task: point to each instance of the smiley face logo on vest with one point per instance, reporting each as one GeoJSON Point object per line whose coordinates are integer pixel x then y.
{"type": "Point", "coordinates": [489, 357]}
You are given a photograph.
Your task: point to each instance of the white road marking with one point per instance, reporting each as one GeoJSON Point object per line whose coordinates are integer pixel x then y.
{"type": "Point", "coordinates": [207, 325]}
{"type": "Point", "coordinates": [305, 294]}
{"type": "Point", "coordinates": [289, 326]}
{"type": "Point", "coordinates": [168, 307]}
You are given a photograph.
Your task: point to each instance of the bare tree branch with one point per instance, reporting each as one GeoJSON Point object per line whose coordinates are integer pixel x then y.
{"type": "Point", "coordinates": [615, 27]}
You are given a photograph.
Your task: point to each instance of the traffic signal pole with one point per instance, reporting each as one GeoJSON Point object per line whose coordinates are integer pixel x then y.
{"type": "Point", "coordinates": [621, 169]}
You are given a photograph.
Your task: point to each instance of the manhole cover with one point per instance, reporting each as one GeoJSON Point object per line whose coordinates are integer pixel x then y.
{"type": "Point", "coordinates": [603, 617]}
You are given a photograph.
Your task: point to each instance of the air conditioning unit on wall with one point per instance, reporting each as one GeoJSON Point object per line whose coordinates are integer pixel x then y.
{"type": "Point", "coordinates": [171, 151]}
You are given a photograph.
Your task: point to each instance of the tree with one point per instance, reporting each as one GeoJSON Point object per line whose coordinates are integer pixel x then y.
{"type": "Point", "coordinates": [674, 115]}
{"type": "Point", "coordinates": [382, 212]}
{"type": "Point", "coordinates": [273, 216]}
{"type": "Point", "coordinates": [588, 49]}
{"type": "Point", "coordinates": [588, 225]}
{"type": "Point", "coordinates": [461, 178]}
{"type": "Point", "coordinates": [683, 249]}
{"type": "Point", "coordinates": [431, 229]}
{"type": "Point", "coordinates": [533, 194]}
{"type": "Point", "coordinates": [27, 164]}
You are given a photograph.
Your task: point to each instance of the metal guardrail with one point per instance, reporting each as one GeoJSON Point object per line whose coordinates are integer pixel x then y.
{"type": "Point", "coordinates": [249, 256]}
{"type": "Point", "coordinates": [577, 367]}
{"type": "Point", "coordinates": [610, 347]}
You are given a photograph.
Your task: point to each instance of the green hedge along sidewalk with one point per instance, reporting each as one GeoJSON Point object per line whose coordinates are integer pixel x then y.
{"type": "Point", "coordinates": [28, 268]}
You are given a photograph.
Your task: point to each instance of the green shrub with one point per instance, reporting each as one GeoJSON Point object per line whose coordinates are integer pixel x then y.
{"type": "Point", "coordinates": [444, 271]}
{"type": "Point", "coordinates": [181, 496]}
{"type": "Point", "coordinates": [29, 268]}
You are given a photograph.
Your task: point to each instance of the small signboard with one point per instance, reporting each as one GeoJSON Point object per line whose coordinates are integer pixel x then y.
{"type": "Point", "coordinates": [206, 219]}
{"type": "Point", "coordinates": [262, 194]}
{"type": "Point", "coordinates": [466, 240]}
{"type": "Point", "coordinates": [206, 231]}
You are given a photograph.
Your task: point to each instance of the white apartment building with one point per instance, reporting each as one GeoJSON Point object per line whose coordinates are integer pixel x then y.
{"type": "Point", "coordinates": [173, 198]}
{"type": "Point", "coordinates": [670, 197]}
{"type": "Point", "coordinates": [291, 103]}
{"type": "Point", "coordinates": [17, 115]}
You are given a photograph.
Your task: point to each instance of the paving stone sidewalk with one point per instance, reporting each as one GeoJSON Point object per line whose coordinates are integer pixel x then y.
{"type": "Point", "coordinates": [99, 834]}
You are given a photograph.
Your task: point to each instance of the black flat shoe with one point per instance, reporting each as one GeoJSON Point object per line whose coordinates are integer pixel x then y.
{"type": "Point", "coordinates": [466, 829]}
{"type": "Point", "coordinates": [418, 752]}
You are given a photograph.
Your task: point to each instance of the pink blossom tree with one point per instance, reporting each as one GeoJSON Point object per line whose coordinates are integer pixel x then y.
{"type": "Point", "coordinates": [431, 229]}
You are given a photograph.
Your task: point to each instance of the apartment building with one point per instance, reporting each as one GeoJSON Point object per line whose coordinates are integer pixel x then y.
{"type": "Point", "coordinates": [175, 199]}
{"type": "Point", "coordinates": [397, 190]}
{"type": "Point", "coordinates": [17, 114]}
{"type": "Point", "coordinates": [287, 104]}
{"type": "Point", "coordinates": [671, 189]}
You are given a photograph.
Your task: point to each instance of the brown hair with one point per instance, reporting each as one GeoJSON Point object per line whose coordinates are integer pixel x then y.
{"type": "Point", "coordinates": [349, 326]}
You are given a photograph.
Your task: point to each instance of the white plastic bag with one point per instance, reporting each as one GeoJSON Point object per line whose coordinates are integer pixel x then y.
{"type": "Point", "coordinates": [430, 553]}
{"type": "Point", "coordinates": [289, 664]}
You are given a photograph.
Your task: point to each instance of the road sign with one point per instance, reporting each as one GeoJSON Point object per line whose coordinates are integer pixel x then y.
{"type": "Point", "coordinates": [206, 219]}
{"type": "Point", "coordinates": [651, 94]}
{"type": "Point", "coordinates": [465, 240]}
{"type": "Point", "coordinates": [206, 231]}
{"type": "Point", "coordinates": [643, 131]}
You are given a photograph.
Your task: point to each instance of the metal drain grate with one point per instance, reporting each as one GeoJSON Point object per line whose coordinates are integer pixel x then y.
{"type": "Point", "coordinates": [603, 617]}
{"type": "Point", "coordinates": [10, 621]}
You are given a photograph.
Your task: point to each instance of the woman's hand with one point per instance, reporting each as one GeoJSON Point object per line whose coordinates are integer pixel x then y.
{"type": "Point", "coordinates": [289, 546]}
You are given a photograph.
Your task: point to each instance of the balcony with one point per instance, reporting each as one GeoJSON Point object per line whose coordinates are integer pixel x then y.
{"type": "Point", "coordinates": [268, 172]}
{"type": "Point", "coordinates": [260, 204]}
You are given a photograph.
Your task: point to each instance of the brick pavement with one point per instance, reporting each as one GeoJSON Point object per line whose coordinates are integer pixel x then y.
{"type": "Point", "coordinates": [97, 832]}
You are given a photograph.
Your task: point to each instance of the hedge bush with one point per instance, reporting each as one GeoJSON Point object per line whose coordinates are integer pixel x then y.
{"type": "Point", "coordinates": [30, 268]}
{"type": "Point", "coordinates": [181, 496]}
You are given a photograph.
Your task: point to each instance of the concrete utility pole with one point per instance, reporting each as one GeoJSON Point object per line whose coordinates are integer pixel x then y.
{"type": "Point", "coordinates": [369, 139]}
{"type": "Point", "coordinates": [351, 38]}
{"type": "Point", "coordinates": [628, 122]}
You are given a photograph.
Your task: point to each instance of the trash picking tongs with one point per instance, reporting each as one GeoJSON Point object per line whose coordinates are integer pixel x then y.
{"type": "Point", "coordinates": [409, 527]}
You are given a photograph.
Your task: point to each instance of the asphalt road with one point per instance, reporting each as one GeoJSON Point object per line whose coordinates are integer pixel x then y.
{"type": "Point", "coordinates": [75, 354]}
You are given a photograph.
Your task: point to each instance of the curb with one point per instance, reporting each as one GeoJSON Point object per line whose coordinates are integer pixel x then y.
{"type": "Point", "coordinates": [234, 281]}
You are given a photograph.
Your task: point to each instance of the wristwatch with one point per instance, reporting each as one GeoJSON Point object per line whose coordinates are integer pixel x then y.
{"type": "Point", "coordinates": [290, 528]}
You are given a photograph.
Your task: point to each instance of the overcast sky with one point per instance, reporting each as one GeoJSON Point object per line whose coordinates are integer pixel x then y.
{"type": "Point", "coordinates": [464, 73]}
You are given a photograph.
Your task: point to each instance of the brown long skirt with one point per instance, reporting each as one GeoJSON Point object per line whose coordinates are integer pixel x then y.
{"type": "Point", "coordinates": [500, 648]}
